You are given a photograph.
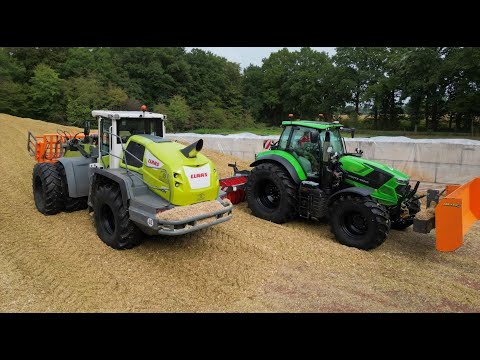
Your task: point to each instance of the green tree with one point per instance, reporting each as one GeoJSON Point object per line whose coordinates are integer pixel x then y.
{"type": "Point", "coordinates": [13, 98]}
{"type": "Point", "coordinates": [354, 64]}
{"type": "Point", "coordinates": [179, 113]}
{"type": "Point", "coordinates": [83, 95]}
{"type": "Point", "coordinates": [46, 93]}
{"type": "Point", "coordinates": [252, 90]}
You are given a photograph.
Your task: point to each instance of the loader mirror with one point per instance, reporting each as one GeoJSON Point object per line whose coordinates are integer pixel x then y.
{"type": "Point", "coordinates": [86, 129]}
{"type": "Point", "coordinates": [314, 136]}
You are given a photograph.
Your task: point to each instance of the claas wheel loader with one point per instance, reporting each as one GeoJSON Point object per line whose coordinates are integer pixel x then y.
{"type": "Point", "coordinates": [130, 177]}
{"type": "Point", "coordinates": [308, 173]}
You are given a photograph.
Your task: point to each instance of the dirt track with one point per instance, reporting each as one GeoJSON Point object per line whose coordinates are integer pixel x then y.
{"type": "Point", "coordinates": [57, 263]}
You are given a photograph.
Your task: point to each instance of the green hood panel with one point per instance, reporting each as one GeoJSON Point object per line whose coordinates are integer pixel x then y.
{"type": "Point", "coordinates": [363, 167]}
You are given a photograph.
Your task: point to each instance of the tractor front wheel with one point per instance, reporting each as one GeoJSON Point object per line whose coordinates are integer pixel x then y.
{"type": "Point", "coordinates": [271, 193]}
{"type": "Point", "coordinates": [359, 222]}
{"type": "Point", "coordinates": [47, 188]}
{"type": "Point", "coordinates": [111, 219]}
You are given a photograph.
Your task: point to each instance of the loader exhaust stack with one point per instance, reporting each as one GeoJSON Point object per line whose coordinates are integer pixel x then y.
{"type": "Point", "coordinates": [192, 150]}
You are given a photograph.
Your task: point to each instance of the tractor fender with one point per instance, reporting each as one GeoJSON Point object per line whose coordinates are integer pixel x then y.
{"type": "Point", "coordinates": [76, 171]}
{"type": "Point", "coordinates": [280, 160]}
{"type": "Point", "coordinates": [124, 182]}
{"type": "Point", "coordinates": [351, 190]}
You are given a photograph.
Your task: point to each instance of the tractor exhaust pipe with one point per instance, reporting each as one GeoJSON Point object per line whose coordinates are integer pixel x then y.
{"type": "Point", "coordinates": [192, 150]}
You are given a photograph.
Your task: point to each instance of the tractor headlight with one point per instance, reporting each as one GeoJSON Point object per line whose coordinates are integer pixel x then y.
{"type": "Point", "coordinates": [400, 190]}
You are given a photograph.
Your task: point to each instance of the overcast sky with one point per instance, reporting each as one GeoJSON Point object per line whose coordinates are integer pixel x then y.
{"type": "Point", "coordinates": [253, 55]}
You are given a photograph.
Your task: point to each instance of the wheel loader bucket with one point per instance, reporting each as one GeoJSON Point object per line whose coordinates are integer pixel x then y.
{"type": "Point", "coordinates": [456, 213]}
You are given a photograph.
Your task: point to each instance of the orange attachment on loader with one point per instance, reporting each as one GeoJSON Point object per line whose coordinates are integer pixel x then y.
{"type": "Point", "coordinates": [456, 213]}
{"type": "Point", "coordinates": [48, 147]}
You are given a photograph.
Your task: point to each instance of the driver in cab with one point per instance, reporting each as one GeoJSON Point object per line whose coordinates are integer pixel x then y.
{"type": "Point", "coordinates": [308, 151]}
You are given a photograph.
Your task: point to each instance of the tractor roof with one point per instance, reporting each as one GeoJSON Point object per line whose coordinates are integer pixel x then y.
{"type": "Point", "coordinates": [127, 114]}
{"type": "Point", "coordinates": [312, 124]}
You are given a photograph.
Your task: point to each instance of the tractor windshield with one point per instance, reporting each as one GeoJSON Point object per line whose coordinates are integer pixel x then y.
{"type": "Point", "coordinates": [336, 141]}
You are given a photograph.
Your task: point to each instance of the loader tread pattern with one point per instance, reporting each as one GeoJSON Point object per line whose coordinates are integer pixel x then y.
{"type": "Point", "coordinates": [51, 202]}
{"type": "Point", "coordinates": [128, 235]}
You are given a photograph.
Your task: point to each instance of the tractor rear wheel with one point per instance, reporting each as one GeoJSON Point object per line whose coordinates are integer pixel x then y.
{"type": "Point", "coordinates": [359, 222]}
{"type": "Point", "coordinates": [111, 219]}
{"type": "Point", "coordinates": [71, 204]}
{"type": "Point", "coordinates": [271, 193]}
{"type": "Point", "coordinates": [47, 188]}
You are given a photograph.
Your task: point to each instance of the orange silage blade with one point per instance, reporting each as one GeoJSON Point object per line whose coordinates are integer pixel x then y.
{"type": "Point", "coordinates": [456, 213]}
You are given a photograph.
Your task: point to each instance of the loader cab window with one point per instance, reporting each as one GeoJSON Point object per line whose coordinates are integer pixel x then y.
{"type": "Point", "coordinates": [129, 127]}
{"type": "Point", "coordinates": [134, 154]}
{"type": "Point", "coordinates": [106, 138]}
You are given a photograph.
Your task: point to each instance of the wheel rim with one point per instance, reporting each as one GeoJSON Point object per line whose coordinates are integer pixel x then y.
{"type": "Point", "coordinates": [107, 219]}
{"type": "Point", "coordinates": [38, 194]}
{"type": "Point", "coordinates": [268, 194]}
{"type": "Point", "coordinates": [354, 223]}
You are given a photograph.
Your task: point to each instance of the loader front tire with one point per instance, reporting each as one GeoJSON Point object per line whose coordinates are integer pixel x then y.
{"type": "Point", "coordinates": [112, 220]}
{"type": "Point", "coordinates": [47, 188]}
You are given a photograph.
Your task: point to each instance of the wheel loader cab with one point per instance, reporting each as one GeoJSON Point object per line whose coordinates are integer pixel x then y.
{"type": "Point", "coordinates": [115, 129]}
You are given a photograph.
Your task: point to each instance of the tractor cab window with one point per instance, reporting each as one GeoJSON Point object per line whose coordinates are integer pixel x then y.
{"type": "Point", "coordinates": [282, 143]}
{"type": "Point", "coordinates": [336, 141]}
{"type": "Point", "coordinates": [129, 127]}
{"type": "Point", "coordinates": [305, 150]}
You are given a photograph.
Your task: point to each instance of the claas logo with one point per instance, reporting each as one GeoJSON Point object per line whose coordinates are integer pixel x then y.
{"type": "Point", "coordinates": [199, 175]}
{"type": "Point", "coordinates": [153, 162]}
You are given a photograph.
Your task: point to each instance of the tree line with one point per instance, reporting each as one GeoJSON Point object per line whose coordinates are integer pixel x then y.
{"type": "Point", "coordinates": [435, 88]}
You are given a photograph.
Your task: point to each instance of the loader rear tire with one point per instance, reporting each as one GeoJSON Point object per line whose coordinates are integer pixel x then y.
{"type": "Point", "coordinates": [271, 193]}
{"type": "Point", "coordinates": [359, 222]}
{"type": "Point", "coordinates": [71, 204]}
{"type": "Point", "coordinates": [112, 220]}
{"type": "Point", "coordinates": [47, 188]}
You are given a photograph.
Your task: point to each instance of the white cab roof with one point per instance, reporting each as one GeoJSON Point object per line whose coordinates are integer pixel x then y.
{"type": "Point", "coordinates": [127, 114]}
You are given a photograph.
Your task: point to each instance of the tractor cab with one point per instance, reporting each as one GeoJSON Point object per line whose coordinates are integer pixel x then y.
{"type": "Point", "coordinates": [116, 127]}
{"type": "Point", "coordinates": [311, 143]}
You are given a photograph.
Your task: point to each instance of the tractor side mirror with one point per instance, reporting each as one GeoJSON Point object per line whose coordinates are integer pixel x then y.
{"type": "Point", "coordinates": [86, 129]}
{"type": "Point", "coordinates": [314, 136]}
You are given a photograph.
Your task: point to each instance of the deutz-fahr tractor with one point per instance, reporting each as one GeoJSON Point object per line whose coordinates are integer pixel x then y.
{"type": "Point", "coordinates": [132, 179]}
{"type": "Point", "coordinates": [308, 173]}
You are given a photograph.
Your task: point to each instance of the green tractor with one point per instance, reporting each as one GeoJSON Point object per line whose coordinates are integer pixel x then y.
{"type": "Point", "coordinates": [132, 179]}
{"type": "Point", "coordinates": [308, 173]}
